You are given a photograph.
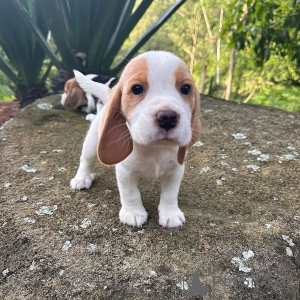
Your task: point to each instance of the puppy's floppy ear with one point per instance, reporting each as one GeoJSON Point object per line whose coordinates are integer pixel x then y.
{"type": "Point", "coordinates": [196, 128]}
{"type": "Point", "coordinates": [115, 142]}
{"type": "Point", "coordinates": [74, 95]}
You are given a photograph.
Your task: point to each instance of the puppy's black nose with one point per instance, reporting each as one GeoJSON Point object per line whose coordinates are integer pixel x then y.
{"type": "Point", "coordinates": [167, 119]}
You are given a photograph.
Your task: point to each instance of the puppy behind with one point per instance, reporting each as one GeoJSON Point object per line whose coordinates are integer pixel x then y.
{"type": "Point", "coordinates": [146, 128]}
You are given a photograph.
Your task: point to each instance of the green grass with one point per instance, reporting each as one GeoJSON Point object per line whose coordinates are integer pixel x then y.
{"type": "Point", "coordinates": [279, 96]}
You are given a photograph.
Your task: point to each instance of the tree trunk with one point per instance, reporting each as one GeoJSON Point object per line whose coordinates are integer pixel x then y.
{"type": "Point", "coordinates": [218, 79]}
{"type": "Point", "coordinates": [202, 84]}
{"type": "Point", "coordinates": [230, 75]}
{"type": "Point", "coordinates": [28, 95]}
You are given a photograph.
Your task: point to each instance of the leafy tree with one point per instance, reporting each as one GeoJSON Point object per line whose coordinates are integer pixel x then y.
{"type": "Point", "coordinates": [266, 27]}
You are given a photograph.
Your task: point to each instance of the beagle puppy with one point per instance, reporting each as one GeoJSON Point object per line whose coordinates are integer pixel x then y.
{"type": "Point", "coordinates": [75, 97]}
{"type": "Point", "coordinates": [145, 129]}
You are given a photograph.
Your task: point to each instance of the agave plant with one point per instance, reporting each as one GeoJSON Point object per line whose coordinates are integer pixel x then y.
{"type": "Point", "coordinates": [97, 30]}
{"type": "Point", "coordinates": [88, 35]}
{"type": "Point", "coordinates": [21, 56]}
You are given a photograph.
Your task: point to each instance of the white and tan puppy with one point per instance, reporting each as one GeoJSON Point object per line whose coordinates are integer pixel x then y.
{"type": "Point", "coordinates": [145, 129]}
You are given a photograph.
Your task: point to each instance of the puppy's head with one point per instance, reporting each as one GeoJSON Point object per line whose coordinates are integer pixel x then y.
{"type": "Point", "coordinates": [155, 102]}
{"type": "Point", "coordinates": [73, 96]}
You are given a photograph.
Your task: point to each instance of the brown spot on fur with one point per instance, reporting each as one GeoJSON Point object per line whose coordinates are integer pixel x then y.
{"type": "Point", "coordinates": [136, 73]}
{"type": "Point", "coordinates": [74, 95]}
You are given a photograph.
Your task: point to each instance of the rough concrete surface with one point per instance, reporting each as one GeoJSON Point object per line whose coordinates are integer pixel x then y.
{"type": "Point", "coordinates": [80, 250]}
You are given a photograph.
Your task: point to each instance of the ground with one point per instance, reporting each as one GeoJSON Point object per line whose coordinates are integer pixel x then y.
{"type": "Point", "coordinates": [242, 213]}
{"type": "Point", "coordinates": [8, 110]}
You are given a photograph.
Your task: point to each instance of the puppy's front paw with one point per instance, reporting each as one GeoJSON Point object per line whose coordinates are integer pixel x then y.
{"type": "Point", "coordinates": [171, 218]}
{"type": "Point", "coordinates": [134, 218]}
{"type": "Point", "coordinates": [80, 183]}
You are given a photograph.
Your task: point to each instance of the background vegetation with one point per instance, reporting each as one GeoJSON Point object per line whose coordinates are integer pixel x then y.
{"type": "Point", "coordinates": [264, 34]}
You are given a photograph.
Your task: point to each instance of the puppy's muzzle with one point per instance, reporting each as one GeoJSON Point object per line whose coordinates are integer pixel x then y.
{"type": "Point", "coordinates": [167, 119]}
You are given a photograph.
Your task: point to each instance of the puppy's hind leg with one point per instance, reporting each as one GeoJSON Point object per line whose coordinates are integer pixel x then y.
{"type": "Point", "coordinates": [84, 176]}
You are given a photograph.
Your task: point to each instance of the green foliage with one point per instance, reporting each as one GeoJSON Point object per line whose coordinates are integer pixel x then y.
{"type": "Point", "coordinates": [21, 57]}
{"type": "Point", "coordinates": [265, 27]}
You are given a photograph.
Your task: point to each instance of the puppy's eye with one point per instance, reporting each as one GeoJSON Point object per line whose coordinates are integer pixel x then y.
{"type": "Point", "coordinates": [137, 89]}
{"type": "Point", "coordinates": [185, 89]}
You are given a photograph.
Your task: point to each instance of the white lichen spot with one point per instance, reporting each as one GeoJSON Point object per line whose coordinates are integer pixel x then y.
{"type": "Point", "coordinates": [248, 254]}
{"type": "Point", "coordinates": [61, 272]}
{"type": "Point", "coordinates": [4, 139]}
{"type": "Point", "coordinates": [269, 226]}
{"type": "Point", "coordinates": [46, 210]}
{"type": "Point", "coordinates": [291, 116]}
{"type": "Point", "coordinates": [68, 197]}
{"type": "Point", "coordinates": [223, 156]}
{"type": "Point", "coordinates": [51, 178]}
{"type": "Point", "coordinates": [35, 178]}
{"type": "Point", "coordinates": [289, 251]}
{"type": "Point", "coordinates": [254, 152]}
{"type": "Point", "coordinates": [239, 136]}
{"type": "Point", "coordinates": [219, 182]}
{"type": "Point", "coordinates": [107, 192]}
{"type": "Point", "coordinates": [27, 169]}
{"type": "Point", "coordinates": [253, 167]}
{"type": "Point", "coordinates": [248, 144]}
{"type": "Point", "coordinates": [212, 224]}
{"type": "Point", "coordinates": [5, 272]}
{"type": "Point", "coordinates": [40, 184]}
{"type": "Point", "coordinates": [7, 185]}
{"type": "Point", "coordinates": [249, 282]}
{"type": "Point", "coordinates": [62, 169]}
{"type": "Point", "coordinates": [153, 273]}
{"type": "Point", "coordinates": [205, 170]}
{"type": "Point", "coordinates": [288, 240]}
{"type": "Point", "coordinates": [76, 227]}
{"type": "Point", "coordinates": [105, 287]}
{"type": "Point", "coordinates": [57, 150]}
{"type": "Point", "coordinates": [290, 148]}
{"type": "Point", "coordinates": [296, 153]}
{"type": "Point", "coordinates": [90, 205]}
{"type": "Point", "coordinates": [183, 285]}
{"type": "Point", "coordinates": [229, 193]}
{"type": "Point", "coordinates": [45, 106]}
{"type": "Point", "coordinates": [33, 266]}
{"type": "Point", "coordinates": [28, 220]}
{"type": "Point", "coordinates": [85, 224]}
{"type": "Point", "coordinates": [43, 152]}
{"type": "Point", "coordinates": [287, 157]}
{"type": "Point", "coordinates": [24, 198]}
{"type": "Point", "coordinates": [264, 157]}
{"type": "Point", "coordinates": [241, 261]}
{"type": "Point", "coordinates": [234, 169]}
{"type": "Point", "coordinates": [4, 224]}
{"type": "Point", "coordinates": [91, 248]}
{"type": "Point", "coordinates": [104, 205]}
{"type": "Point", "coordinates": [224, 164]}
{"type": "Point", "coordinates": [114, 229]}
{"type": "Point", "coordinates": [67, 245]}
{"type": "Point", "coordinates": [141, 231]}
{"type": "Point", "coordinates": [198, 144]}
{"type": "Point", "coordinates": [208, 110]}
{"type": "Point", "coordinates": [275, 199]}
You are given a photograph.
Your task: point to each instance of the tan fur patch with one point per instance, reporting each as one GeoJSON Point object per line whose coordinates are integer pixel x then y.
{"type": "Point", "coordinates": [74, 95]}
{"type": "Point", "coordinates": [136, 73]}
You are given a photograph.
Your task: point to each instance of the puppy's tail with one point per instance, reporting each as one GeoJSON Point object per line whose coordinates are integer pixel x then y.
{"type": "Point", "coordinates": [97, 89]}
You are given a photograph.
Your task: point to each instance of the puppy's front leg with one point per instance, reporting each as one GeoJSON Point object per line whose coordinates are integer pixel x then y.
{"type": "Point", "coordinates": [132, 211]}
{"type": "Point", "coordinates": [84, 176]}
{"type": "Point", "coordinates": [169, 213]}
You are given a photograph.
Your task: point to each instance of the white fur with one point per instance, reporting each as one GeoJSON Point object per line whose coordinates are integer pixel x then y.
{"type": "Point", "coordinates": [157, 160]}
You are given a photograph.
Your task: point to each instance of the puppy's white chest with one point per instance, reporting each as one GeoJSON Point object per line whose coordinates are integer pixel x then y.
{"type": "Point", "coordinates": [152, 162]}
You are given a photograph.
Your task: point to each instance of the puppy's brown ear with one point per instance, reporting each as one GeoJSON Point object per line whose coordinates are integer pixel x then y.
{"type": "Point", "coordinates": [74, 95]}
{"type": "Point", "coordinates": [196, 128]}
{"type": "Point", "coordinates": [115, 142]}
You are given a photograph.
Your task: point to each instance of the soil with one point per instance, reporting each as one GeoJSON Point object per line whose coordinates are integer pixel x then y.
{"type": "Point", "coordinates": [233, 203]}
{"type": "Point", "coordinates": [8, 110]}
